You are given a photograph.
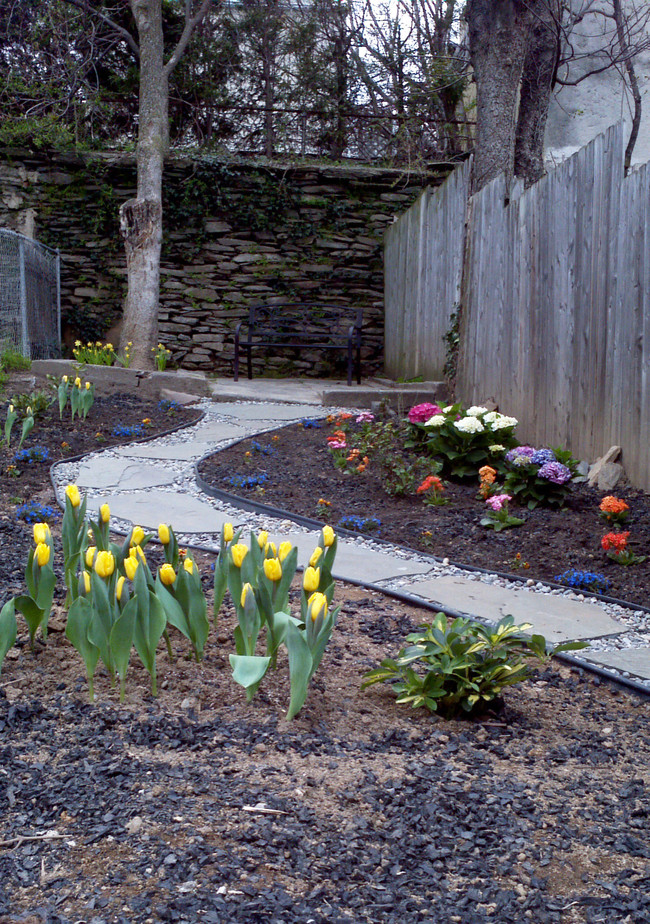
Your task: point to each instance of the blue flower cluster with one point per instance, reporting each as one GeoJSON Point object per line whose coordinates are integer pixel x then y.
{"type": "Point", "coordinates": [128, 432]}
{"type": "Point", "coordinates": [309, 424]}
{"type": "Point", "coordinates": [360, 524]}
{"type": "Point", "coordinates": [542, 456]}
{"type": "Point", "coordinates": [35, 512]}
{"type": "Point", "coordinates": [585, 580]}
{"type": "Point", "coordinates": [166, 405]}
{"type": "Point", "coordinates": [34, 454]}
{"type": "Point", "coordinates": [247, 481]}
{"type": "Point", "coordinates": [264, 450]}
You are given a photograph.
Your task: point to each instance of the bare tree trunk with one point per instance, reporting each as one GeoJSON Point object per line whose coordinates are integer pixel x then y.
{"type": "Point", "coordinates": [540, 66]}
{"type": "Point", "coordinates": [634, 83]}
{"type": "Point", "coordinates": [498, 35]}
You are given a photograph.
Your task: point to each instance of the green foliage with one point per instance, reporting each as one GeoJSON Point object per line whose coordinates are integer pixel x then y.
{"type": "Point", "coordinates": [525, 486]}
{"type": "Point", "coordinates": [11, 360]}
{"type": "Point", "coordinates": [463, 665]}
{"type": "Point", "coordinates": [37, 401]}
{"type": "Point", "coordinates": [464, 440]}
{"type": "Point", "coordinates": [451, 339]}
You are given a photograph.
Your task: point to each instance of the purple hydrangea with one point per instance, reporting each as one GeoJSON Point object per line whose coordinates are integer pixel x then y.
{"type": "Point", "coordinates": [555, 472]}
{"type": "Point", "coordinates": [542, 456]}
{"type": "Point", "coordinates": [519, 451]}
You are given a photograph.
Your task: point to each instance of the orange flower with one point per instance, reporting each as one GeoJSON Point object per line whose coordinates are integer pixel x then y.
{"type": "Point", "coordinates": [487, 474]}
{"type": "Point", "coordinates": [614, 541]}
{"type": "Point", "coordinates": [613, 505]}
{"type": "Point", "coordinates": [431, 482]}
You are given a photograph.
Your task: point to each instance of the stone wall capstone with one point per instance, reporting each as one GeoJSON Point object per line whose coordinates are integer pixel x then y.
{"type": "Point", "coordinates": [235, 233]}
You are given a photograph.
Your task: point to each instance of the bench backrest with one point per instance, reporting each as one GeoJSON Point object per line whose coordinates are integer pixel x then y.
{"type": "Point", "coordinates": [293, 319]}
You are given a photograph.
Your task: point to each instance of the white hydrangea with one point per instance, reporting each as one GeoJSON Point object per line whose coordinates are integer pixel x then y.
{"type": "Point", "coordinates": [491, 416]}
{"type": "Point", "coordinates": [502, 422]}
{"type": "Point", "coordinates": [475, 411]}
{"type": "Point", "coordinates": [497, 447]}
{"type": "Point", "coordinates": [469, 425]}
{"type": "Point", "coordinates": [436, 421]}
{"type": "Point", "coordinates": [448, 409]}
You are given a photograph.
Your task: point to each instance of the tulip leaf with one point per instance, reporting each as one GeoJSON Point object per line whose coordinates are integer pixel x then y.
{"type": "Point", "coordinates": [288, 571]}
{"type": "Point", "coordinates": [32, 612]}
{"type": "Point", "coordinates": [101, 622]}
{"type": "Point", "coordinates": [300, 668]}
{"type": "Point", "coordinates": [220, 587]}
{"type": "Point", "coordinates": [76, 630]}
{"type": "Point", "coordinates": [121, 642]}
{"type": "Point", "coordinates": [248, 671]}
{"type": "Point", "coordinates": [318, 649]}
{"type": "Point", "coordinates": [8, 629]}
{"type": "Point", "coordinates": [149, 627]}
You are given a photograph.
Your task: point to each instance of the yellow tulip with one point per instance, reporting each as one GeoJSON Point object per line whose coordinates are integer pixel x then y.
{"type": "Point", "coordinates": [131, 566]}
{"type": "Point", "coordinates": [163, 533]}
{"type": "Point", "coordinates": [105, 513]}
{"type": "Point", "coordinates": [104, 564]}
{"type": "Point", "coordinates": [167, 574]}
{"type": "Point", "coordinates": [272, 569]}
{"type": "Point", "coordinates": [41, 532]}
{"type": "Point", "coordinates": [188, 564]}
{"type": "Point", "coordinates": [64, 378]}
{"type": "Point", "coordinates": [72, 493]}
{"type": "Point", "coordinates": [270, 550]}
{"type": "Point", "coordinates": [246, 589]}
{"type": "Point", "coordinates": [238, 552]}
{"type": "Point", "coordinates": [328, 536]}
{"type": "Point", "coordinates": [137, 536]}
{"type": "Point", "coordinates": [262, 538]}
{"type": "Point", "coordinates": [90, 555]}
{"type": "Point", "coordinates": [77, 382]}
{"type": "Point", "coordinates": [29, 412]}
{"type": "Point", "coordinates": [316, 554]}
{"type": "Point", "coordinates": [316, 605]}
{"type": "Point", "coordinates": [42, 553]}
{"type": "Point", "coordinates": [228, 532]}
{"type": "Point", "coordinates": [283, 551]}
{"type": "Point", "coordinates": [11, 408]}
{"type": "Point", "coordinates": [86, 578]}
{"type": "Point", "coordinates": [311, 579]}
{"type": "Point", "coordinates": [119, 587]}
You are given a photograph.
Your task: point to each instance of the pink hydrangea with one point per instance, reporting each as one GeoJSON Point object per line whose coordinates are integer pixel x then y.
{"type": "Point", "coordinates": [365, 417]}
{"type": "Point", "coordinates": [337, 444]}
{"type": "Point", "coordinates": [420, 413]}
{"type": "Point", "coordinates": [497, 501]}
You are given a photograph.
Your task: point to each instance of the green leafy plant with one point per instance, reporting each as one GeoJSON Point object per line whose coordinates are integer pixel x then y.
{"type": "Point", "coordinates": [498, 517]}
{"type": "Point", "coordinates": [40, 579]}
{"type": "Point", "coordinates": [34, 404]}
{"type": "Point", "coordinates": [161, 356]}
{"type": "Point", "coordinates": [11, 360]}
{"type": "Point", "coordinates": [8, 629]}
{"type": "Point", "coordinates": [94, 354]}
{"type": "Point", "coordinates": [461, 666]}
{"type": "Point", "coordinates": [539, 476]}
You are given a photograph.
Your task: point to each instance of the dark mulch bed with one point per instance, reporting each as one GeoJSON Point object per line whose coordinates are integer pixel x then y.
{"type": "Point", "coordinates": [196, 807]}
{"type": "Point", "coordinates": [299, 471]}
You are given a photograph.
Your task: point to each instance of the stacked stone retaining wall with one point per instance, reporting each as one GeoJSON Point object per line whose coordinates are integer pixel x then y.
{"type": "Point", "coordinates": [235, 233]}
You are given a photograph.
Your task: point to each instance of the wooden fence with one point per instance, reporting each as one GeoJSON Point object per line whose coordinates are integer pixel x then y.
{"type": "Point", "coordinates": [556, 314]}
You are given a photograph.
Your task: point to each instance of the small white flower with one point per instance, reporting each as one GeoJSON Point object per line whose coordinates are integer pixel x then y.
{"type": "Point", "coordinates": [448, 409]}
{"type": "Point", "coordinates": [475, 411]}
{"type": "Point", "coordinates": [497, 447]}
{"type": "Point", "coordinates": [502, 423]}
{"type": "Point", "coordinates": [491, 416]}
{"type": "Point", "coordinates": [469, 425]}
{"type": "Point", "coordinates": [436, 421]}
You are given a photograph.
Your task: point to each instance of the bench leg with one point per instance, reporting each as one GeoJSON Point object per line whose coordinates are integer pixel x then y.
{"type": "Point", "coordinates": [249, 362]}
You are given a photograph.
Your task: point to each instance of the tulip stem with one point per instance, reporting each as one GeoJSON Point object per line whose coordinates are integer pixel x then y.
{"type": "Point", "coordinates": [170, 653]}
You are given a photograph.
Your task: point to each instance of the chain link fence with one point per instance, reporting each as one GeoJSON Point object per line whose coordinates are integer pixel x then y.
{"type": "Point", "coordinates": [30, 296]}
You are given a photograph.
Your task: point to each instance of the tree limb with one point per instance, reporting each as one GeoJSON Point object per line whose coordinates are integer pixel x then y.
{"type": "Point", "coordinates": [124, 33]}
{"type": "Point", "coordinates": [191, 22]}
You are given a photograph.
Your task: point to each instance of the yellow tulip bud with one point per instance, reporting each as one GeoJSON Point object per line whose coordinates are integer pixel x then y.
{"type": "Point", "coordinates": [272, 569]}
{"type": "Point", "coordinates": [316, 605]}
{"type": "Point", "coordinates": [262, 538]}
{"type": "Point", "coordinates": [64, 378]}
{"type": "Point", "coordinates": [311, 579]}
{"type": "Point", "coordinates": [90, 555]}
{"type": "Point", "coordinates": [315, 558]}
{"type": "Point", "coordinates": [283, 551]}
{"type": "Point", "coordinates": [163, 533]}
{"type": "Point", "coordinates": [131, 566]}
{"type": "Point", "coordinates": [238, 552]}
{"type": "Point", "coordinates": [188, 564]}
{"type": "Point", "coordinates": [41, 533]}
{"type": "Point", "coordinates": [77, 382]}
{"type": "Point", "coordinates": [104, 564]}
{"type": "Point", "coordinates": [105, 513]}
{"type": "Point", "coordinates": [270, 550]}
{"type": "Point", "coordinates": [11, 408]}
{"type": "Point", "coordinates": [72, 492]}
{"type": "Point", "coordinates": [328, 535]}
{"type": "Point", "coordinates": [86, 580]}
{"type": "Point", "coordinates": [246, 589]}
{"type": "Point", "coordinates": [120, 586]}
{"type": "Point", "coordinates": [87, 386]}
{"type": "Point", "coordinates": [29, 412]}
{"type": "Point", "coordinates": [42, 553]}
{"type": "Point", "coordinates": [137, 535]}
{"type": "Point", "coordinates": [228, 532]}
{"type": "Point", "coordinates": [167, 574]}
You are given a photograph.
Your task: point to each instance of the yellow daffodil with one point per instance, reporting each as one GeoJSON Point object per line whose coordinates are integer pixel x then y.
{"type": "Point", "coordinates": [272, 569]}
{"type": "Point", "coordinates": [137, 536]}
{"type": "Point", "coordinates": [228, 532]}
{"type": "Point", "coordinates": [328, 536]}
{"type": "Point", "coordinates": [317, 605]}
{"type": "Point", "coordinates": [315, 558]}
{"type": "Point", "coordinates": [104, 564]}
{"type": "Point", "coordinates": [90, 555]}
{"type": "Point", "coordinates": [42, 553]}
{"type": "Point", "coordinates": [77, 343]}
{"type": "Point", "coordinates": [270, 550]}
{"type": "Point", "coordinates": [163, 533]}
{"type": "Point", "coordinates": [120, 587]}
{"type": "Point", "coordinates": [246, 589]}
{"type": "Point", "coordinates": [167, 574]}
{"type": "Point", "coordinates": [72, 492]}
{"type": "Point", "coordinates": [41, 532]}
{"type": "Point", "coordinates": [311, 579]}
{"type": "Point", "coordinates": [188, 564]}
{"type": "Point", "coordinates": [262, 538]}
{"type": "Point", "coordinates": [238, 552]}
{"type": "Point", "coordinates": [105, 513]}
{"type": "Point", "coordinates": [131, 566]}
{"type": "Point", "coordinates": [283, 551]}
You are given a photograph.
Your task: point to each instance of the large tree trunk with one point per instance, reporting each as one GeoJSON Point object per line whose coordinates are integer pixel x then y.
{"type": "Point", "coordinates": [537, 80]}
{"type": "Point", "coordinates": [141, 218]}
{"type": "Point", "coordinates": [498, 35]}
